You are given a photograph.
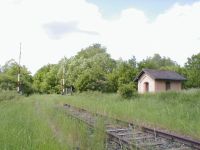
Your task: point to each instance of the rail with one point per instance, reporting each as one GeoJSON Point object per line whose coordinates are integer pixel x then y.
{"type": "Point", "coordinates": [129, 136]}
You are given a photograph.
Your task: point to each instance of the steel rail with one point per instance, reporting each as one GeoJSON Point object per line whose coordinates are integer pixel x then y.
{"type": "Point", "coordinates": [194, 144]}
{"type": "Point", "coordinates": [187, 141]}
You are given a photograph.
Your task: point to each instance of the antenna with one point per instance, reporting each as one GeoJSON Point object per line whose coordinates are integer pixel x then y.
{"type": "Point", "coordinates": [19, 70]}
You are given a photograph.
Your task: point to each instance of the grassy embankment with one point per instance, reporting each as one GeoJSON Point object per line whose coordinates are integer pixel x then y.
{"type": "Point", "coordinates": [38, 123]}
{"type": "Point", "coordinates": [175, 111]}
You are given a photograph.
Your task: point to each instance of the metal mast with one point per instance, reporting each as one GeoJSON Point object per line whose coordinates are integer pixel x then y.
{"type": "Point", "coordinates": [19, 71]}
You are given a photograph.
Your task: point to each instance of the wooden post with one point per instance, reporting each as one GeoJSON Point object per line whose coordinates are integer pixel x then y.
{"type": "Point", "coordinates": [63, 79]}
{"type": "Point", "coordinates": [19, 71]}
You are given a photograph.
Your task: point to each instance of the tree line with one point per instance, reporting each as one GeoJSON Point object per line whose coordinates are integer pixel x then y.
{"type": "Point", "coordinates": [93, 69]}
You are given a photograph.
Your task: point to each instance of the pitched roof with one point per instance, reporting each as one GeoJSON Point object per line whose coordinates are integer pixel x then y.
{"type": "Point", "coordinates": [161, 75]}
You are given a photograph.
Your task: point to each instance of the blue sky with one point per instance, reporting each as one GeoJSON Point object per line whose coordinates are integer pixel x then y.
{"type": "Point", "coordinates": [151, 8]}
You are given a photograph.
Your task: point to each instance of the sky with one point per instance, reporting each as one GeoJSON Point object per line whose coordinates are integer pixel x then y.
{"type": "Point", "coordinates": [151, 8]}
{"type": "Point", "coordinates": [52, 29]}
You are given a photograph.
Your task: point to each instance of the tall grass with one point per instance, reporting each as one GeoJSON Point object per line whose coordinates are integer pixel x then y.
{"type": "Point", "coordinates": [175, 111]}
{"type": "Point", "coordinates": [41, 123]}
{"type": "Point", "coordinates": [8, 95]}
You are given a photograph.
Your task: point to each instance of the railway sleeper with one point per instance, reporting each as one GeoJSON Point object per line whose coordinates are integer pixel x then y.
{"type": "Point", "coordinates": [180, 148]}
{"type": "Point", "coordinates": [140, 138]}
{"type": "Point", "coordinates": [150, 144]}
{"type": "Point", "coordinates": [145, 138]}
{"type": "Point", "coordinates": [118, 130]}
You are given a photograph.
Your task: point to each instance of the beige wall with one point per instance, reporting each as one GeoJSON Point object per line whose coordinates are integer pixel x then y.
{"type": "Point", "coordinates": [156, 85]}
{"type": "Point", "coordinates": [145, 78]}
{"type": "Point", "coordinates": [176, 85]}
{"type": "Point", "coordinates": [161, 85]}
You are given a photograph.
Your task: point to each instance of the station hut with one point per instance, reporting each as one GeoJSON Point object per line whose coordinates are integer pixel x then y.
{"type": "Point", "coordinates": [150, 80]}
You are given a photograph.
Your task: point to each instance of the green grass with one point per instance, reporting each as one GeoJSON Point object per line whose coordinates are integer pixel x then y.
{"type": "Point", "coordinates": [8, 95]}
{"type": "Point", "coordinates": [175, 111]}
{"type": "Point", "coordinates": [41, 123]}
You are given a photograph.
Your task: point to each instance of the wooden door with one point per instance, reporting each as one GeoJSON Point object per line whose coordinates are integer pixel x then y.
{"type": "Point", "coordinates": [146, 87]}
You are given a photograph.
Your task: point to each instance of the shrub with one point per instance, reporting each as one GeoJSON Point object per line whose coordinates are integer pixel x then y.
{"type": "Point", "coordinates": [8, 95]}
{"type": "Point", "coordinates": [127, 90]}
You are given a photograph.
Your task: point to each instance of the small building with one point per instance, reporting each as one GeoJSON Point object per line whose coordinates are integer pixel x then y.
{"type": "Point", "coordinates": [150, 80]}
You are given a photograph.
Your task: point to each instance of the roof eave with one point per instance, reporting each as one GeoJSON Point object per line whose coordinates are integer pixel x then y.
{"type": "Point", "coordinates": [138, 76]}
{"type": "Point", "coordinates": [172, 79]}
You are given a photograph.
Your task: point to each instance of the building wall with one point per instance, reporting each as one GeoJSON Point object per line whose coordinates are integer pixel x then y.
{"type": "Point", "coordinates": [176, 85]}
{"type": "Point", "coordinates": [156, 85]}
{"type": "Point", "coordinates": [145, 78]}
{"type": "Point", "coordinates": [160, 85]}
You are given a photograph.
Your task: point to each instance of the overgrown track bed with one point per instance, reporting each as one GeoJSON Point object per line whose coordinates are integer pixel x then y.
{"type": "Point", "coordinates": [124, 135]}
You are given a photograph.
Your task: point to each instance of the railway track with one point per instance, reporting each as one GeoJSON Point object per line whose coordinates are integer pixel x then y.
{"type": "Point", "coordinates": [124, 135]}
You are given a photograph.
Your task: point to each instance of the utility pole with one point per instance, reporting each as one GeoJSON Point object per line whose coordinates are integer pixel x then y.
{"type": "Point", "coordinates": [63, 78]}
{"type": "Point", "coordinates": [19, 71]}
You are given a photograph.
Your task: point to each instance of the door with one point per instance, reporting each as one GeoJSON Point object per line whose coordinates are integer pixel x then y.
{"type": "Point", "coordinates": [146, 87]}
{"type": "Point", "coordinates": [168, 86]}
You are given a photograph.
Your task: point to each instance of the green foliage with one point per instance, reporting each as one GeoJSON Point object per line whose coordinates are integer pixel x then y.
{"type": "Point", "coordinates": [89, 68]}
{"type": "Point", "coordinates": [127, 90]}
{"type": "Point", "coordinates": [123, 73]}
{"type": "Point", "coordinates": [8, 95]}
{"type": "Point", "coordinates": [46, 79]}
{"type": "Point", "coordinates": [93, 69]}
{"type": "Point", "coordinates": [8, 77]}
{"type": "Point", "coordinates": [192, 70]}
{"type": "Point", "coordinates": [86, 71]}
{"type": "Point", "coordinates": [156, 62]}
{"type": "Point", "coordinates": [91, 81]}
{"type": "Point", "coordinates": [7, 82]}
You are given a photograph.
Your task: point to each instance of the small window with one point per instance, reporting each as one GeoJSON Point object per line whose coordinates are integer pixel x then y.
{"type": "Point", "coordinates": [168, 86]}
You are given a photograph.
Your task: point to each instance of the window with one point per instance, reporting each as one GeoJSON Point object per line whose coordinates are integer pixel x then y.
{"type": "Point", "coordinates": [168, 85]}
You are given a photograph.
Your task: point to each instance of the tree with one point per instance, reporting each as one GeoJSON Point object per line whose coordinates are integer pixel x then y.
{"type": "Point", "coordinates": [133, 62]}
{"type": "Point", "coordinates": [127, 90]}
{"type": "Point", "coordinates": [122, 74]}
{"type": "Point", "coordinates": [93, 69]}
{"type": "Point", "coordinates": [8, 77]}
{"type": "Point", "coordinates": [7, 82]}
{"type": "Point", "coordinates": [156, 62]}
{"type": "Point", "coordinates": [89, 68]}
{"type": "Point", "coordinates": [192, 67]}
{"type": "Point", "coordinates": [46, 79]}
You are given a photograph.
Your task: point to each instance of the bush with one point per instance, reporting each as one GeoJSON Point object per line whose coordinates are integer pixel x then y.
{"type": "Point", "coordinates": [127, 90]}
{"type": "Point", "coordinates": [8, 95]}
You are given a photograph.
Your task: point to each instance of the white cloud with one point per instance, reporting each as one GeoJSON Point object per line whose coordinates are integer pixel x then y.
{"type": "Point", "coordinates": [175, 33]}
